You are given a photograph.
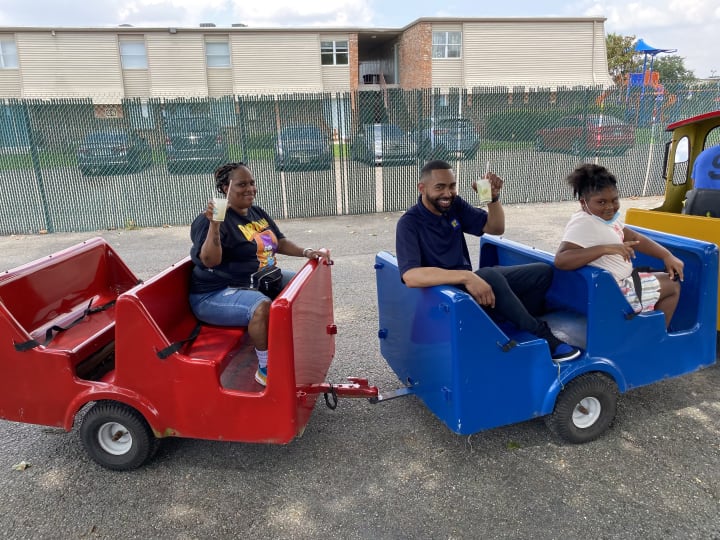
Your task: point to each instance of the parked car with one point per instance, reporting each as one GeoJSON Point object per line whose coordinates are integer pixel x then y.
{"type": "Point", "coordinates": [447, 138]}
{"type": "Point", "coordinates": [194, 144]}
{"type": "Point", "coordinates": [108, 151]}
{"type": "Point", "coordinates": [587, 134]}
{"type": "Point", "coordinates": [381, 144]}
{"type": "Point", "coordinates": [303, 147]}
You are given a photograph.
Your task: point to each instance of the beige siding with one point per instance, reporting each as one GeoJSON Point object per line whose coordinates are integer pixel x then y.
{"type": "Point", "coordinates": [335, 78]}
{"type": "Point", "coordinates": [76, 62]}
{"type": "Point", "coordinates": [176, 63]}
{"type": "Point", "coordinates": [136, 82]}
{"type": "Point", "coordinates": [70, 64]}
{"type": "Point", "coordinates": [447, 72]}
{"type": "Point", "coordinates": [10, 83]}
{"type": "Point", "coordinates": [219, 82]}
{"type": "Point", "coordinates": [447, 27]}
{"type": "Point", "coordinates": [276, 62]}
{"type": "Point", "coordinates": [534, 53]}
{"type": "Point", "coordinates": [600, 54]}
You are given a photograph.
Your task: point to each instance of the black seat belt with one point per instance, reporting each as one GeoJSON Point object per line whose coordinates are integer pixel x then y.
{"type": "Point", "coordinates": [176, 346]}
{"type": "Point", "coordinates": [54, 330]}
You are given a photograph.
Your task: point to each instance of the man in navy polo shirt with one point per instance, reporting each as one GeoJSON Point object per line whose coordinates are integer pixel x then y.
{"type": "Point", "coordinates": [431, 250]}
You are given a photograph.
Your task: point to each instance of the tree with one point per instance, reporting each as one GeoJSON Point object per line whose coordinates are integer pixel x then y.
{"type": "Point", "coordinates": [621, 56]}
{"type": "Point", "coordinates": [672, 68]}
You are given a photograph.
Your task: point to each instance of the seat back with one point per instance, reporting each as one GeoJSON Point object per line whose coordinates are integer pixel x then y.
{"type": "Point", "coordinates": [703, 202]}
{"type": "Point", "coordinates": [57, 287]}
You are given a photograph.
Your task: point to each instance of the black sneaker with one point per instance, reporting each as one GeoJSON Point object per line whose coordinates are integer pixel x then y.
{"type": "Point", "coordinates": [564, 352]}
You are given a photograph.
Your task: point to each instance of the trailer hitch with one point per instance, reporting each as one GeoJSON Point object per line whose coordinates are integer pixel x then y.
{"type": "Point", "coordinates": [357, 387]}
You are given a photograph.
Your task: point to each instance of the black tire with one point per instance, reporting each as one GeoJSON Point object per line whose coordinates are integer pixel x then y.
{"type": "Point", "coordinates": [584, 409]}
{"type": "Point", "coordinates": [117, 436]}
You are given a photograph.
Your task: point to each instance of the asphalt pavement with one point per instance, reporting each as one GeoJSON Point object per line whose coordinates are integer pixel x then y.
{"type": "Point", "coordinates": [385, 471]}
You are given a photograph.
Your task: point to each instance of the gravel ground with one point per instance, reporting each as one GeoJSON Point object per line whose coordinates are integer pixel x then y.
{"type": "Point", "coordinates": [377, 471]}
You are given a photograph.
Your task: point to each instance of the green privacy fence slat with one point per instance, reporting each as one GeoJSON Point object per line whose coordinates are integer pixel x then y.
{"type": "Point", "coordinates": [71, 165]}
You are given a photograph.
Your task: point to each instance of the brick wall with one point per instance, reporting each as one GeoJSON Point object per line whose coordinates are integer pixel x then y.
{"type": "Point", "coordinates": [415, 56]}
{"type": "Point", "coordinates": [354, 61]}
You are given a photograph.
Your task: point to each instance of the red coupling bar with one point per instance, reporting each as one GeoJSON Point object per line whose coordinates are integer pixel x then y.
{"type": "Point", "coordinates": [357, 387]}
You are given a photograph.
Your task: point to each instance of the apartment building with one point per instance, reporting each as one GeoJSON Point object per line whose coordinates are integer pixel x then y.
{"type": "Point", "coordinates": [109, 65]}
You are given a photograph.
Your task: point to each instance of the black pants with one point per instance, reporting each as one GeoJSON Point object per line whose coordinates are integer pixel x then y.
{"type": "Point", "coordinates": [519, 293]}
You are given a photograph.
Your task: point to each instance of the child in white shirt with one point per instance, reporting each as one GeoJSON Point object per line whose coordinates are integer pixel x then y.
{"type": "Point", "coordinates": [596, 235]}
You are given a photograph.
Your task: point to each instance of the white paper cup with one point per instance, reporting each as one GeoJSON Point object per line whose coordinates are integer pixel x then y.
{"type": "Point", "coordinates": [484, 190]}
{"type": "Point", "coordinates": [219, 208]}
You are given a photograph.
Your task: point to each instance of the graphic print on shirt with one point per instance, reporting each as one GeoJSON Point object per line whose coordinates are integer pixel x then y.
{"type": "Point", "coordinates": [265, 239]}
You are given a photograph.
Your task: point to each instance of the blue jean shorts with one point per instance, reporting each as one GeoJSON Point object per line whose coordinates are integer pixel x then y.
{"type": "Point", "coordinates": [230, 306]}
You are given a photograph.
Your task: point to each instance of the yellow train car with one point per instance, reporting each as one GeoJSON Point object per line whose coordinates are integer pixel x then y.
{"type": "Point", "coordinates": [689, 138]}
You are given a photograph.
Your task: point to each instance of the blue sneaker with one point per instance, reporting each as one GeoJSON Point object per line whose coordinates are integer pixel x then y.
{"type": "Point", "coordinates": [261, 375]}
{"type": "Point", "coordinates": [564, 352]}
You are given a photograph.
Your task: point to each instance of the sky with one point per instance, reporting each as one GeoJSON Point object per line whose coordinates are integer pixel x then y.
{"type": "Point", "coordinates": [689, 26]}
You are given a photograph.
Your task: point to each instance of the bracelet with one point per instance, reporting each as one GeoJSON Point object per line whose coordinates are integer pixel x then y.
{"type": "Point", "coordinates": [495, 198]}
{"type": "Point", "coordinates": [306, 251]}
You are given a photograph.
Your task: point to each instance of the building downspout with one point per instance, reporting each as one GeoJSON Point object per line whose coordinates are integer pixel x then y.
{"type": "Point", "coordinates": [592, 62]}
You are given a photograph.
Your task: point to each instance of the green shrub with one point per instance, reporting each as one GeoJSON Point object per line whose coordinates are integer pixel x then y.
{"type": "Point", "coordinates": [260, 141]}
{"type": "Point", "coordinates": [523, 125]}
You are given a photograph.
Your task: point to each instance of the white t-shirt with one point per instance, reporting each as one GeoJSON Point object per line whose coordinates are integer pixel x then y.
{"type": "Point", "coordinates": [586, 230]}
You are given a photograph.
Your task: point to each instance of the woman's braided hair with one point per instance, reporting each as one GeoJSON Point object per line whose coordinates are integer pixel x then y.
{"type": "Point", "coordinates": [222, 175]}
{"type": "Point", "coordinates": [590, 178]}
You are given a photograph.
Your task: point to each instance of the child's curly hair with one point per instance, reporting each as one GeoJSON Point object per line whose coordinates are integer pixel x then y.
{"type": "Point", "coordinates": [590, 178]}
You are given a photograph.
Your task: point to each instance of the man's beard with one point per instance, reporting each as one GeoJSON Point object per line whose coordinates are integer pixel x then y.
{"type": "Point", "coordinates": [438, 207]}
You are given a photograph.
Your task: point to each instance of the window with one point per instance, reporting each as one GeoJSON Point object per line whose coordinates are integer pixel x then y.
{"type": "Point", "coordinates": [712, 138]}
{"type": "Point", "coordinates": [680, 169]}
{"type": "Point", "coordinates": [333, 53]}
{"type": "Point", "coordinates": [8, 54]}
{"type": "Point", "coordinates": [446, 44]}
{"type": "Point", "coordinates": [132, 54]}
{"type": "Point", "coordinates": [217, 54]}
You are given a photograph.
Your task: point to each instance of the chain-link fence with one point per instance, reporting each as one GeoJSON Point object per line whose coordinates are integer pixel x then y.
{"type": "Point", "coordinates": [71, 165]}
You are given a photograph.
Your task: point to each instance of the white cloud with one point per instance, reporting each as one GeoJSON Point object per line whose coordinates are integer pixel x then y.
{"type": "Point", "coordinates": [653, 13]}
{"type": "Point", "coordinates": [689, 26]}
{"type": "Point", "coordinates": [303, 13]}
{"type": "Point", "coordinates": [168, 12]}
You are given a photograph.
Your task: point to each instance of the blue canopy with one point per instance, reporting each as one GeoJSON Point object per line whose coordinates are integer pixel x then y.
{"type": "Point", "coordinates": [643, 47]}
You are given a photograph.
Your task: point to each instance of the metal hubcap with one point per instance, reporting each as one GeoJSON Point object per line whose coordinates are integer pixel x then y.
{"type": "Point", "coordinates": [586, 412]}
{"type": "Point", "coordinates": [114, 438]}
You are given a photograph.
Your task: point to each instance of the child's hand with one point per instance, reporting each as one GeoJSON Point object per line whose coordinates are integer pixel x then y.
{"type": "Point", "coordinates": [674, 267]}
{"type": "Point", "coordinates": [625, 250]}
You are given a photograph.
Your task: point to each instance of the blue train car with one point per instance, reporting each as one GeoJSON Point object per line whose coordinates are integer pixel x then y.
{"type": "Point", "coordinates": [474, 374]}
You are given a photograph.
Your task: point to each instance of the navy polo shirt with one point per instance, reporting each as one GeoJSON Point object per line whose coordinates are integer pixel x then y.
{"type": "Point", "coordinates": [426, 239]}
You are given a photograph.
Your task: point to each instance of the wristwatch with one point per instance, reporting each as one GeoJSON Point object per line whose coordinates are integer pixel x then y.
{"type": "Point", "coordinates": [495, 198]}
